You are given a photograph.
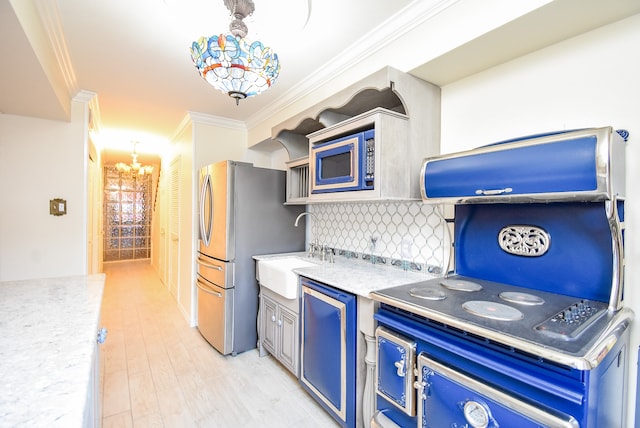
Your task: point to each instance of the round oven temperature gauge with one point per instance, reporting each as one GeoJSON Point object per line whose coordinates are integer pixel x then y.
{"type": "Point", "coordinates": [476, 414]}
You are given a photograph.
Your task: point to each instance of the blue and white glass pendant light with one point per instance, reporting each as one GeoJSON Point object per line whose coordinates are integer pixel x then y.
{"type": "Point", "coordinates": [232, 63]}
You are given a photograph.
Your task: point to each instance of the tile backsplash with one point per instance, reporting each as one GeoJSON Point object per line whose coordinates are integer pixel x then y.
{"type": "Point", "coordinates": [408, 231]}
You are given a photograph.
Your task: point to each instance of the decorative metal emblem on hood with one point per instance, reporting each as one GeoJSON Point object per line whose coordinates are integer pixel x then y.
{"type": "Point", "coordinates": [524, 240]}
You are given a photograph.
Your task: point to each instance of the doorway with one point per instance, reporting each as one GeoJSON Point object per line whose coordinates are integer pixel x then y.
{"type": "Point", "coordinates": [127, 215]}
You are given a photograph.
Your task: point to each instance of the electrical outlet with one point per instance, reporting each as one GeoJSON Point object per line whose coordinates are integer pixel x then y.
{"type": "Point", "coordinates": [406, 248]}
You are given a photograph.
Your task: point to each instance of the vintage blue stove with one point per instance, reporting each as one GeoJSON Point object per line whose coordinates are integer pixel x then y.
{"type": "Point", "coordinates": [529, 330]}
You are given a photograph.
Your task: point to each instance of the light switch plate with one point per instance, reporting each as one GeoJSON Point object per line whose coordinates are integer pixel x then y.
{"type": "Point", "coordinates": [57, 207]}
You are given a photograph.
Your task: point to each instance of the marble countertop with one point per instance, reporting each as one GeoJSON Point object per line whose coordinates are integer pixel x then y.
{"type": "Point", "coordinates": [353, 275]}
{"type": "Point", "coordinates": [48, 330]}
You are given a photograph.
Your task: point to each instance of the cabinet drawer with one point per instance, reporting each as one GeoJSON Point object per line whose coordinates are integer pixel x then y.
{"type": "Point", "coordinates": [215, 271]}
{"type": "Point", "coordinates": [583, 165]}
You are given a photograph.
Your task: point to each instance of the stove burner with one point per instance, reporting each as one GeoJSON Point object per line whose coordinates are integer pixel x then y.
{"type": "Point", "coordinates": [427, 293]}
{"type": "Point", "coordinates": [460, 285]}
{"type": "Point", "coordinates": [492, 310]}
{"type": "Point", "coordinates": [521, 298]}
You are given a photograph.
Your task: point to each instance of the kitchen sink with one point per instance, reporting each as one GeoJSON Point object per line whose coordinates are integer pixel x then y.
{"type": "Point", "coordinates": [277, 274]}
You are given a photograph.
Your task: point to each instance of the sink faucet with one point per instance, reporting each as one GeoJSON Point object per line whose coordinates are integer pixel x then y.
{"type": "Point", "coordinates": [304, 214]}
{"type": "Point", "coordinates": [312, 246]}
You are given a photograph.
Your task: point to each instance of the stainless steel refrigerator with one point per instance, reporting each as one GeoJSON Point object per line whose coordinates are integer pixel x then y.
{"type": "Point", "coordinates": [241, 214]}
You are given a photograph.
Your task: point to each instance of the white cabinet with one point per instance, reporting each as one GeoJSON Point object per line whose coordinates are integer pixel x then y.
{"type": "Point", "coordinates": [298, 181]}
{"type": "Point", "coordinates": [278, 328]}
{"type": "Point", "coordinates": [395, 157]}
{"type": "Point", "coordinates": [93, 407]}
{"type": "Point", "coordinates": [92, 411]}
{"type": "Point", "coordinates": [405, 112]}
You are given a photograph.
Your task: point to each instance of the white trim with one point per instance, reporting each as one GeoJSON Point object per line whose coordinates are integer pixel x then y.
{"type": "Point", "coordinates": [52, 25]}
{"type": "Point", "coordinates": [393, 28]}
{"type": "Point", "coordinates": [208, 119]}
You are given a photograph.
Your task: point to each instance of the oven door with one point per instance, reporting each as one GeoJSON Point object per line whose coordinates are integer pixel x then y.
{"type": "Point", "coordinates": [449, 398]}
{"type": "Point", "coordinates": [395, 369]}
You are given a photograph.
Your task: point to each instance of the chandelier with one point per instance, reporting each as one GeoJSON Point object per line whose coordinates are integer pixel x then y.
{"type": "Point", "coordinates": [135, 167]}
{"type": "Point", "coordinates": [233, 64]}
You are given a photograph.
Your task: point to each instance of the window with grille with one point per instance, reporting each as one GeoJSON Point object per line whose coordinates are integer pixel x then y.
{"type": "Point", "coordinates": [127, 215]}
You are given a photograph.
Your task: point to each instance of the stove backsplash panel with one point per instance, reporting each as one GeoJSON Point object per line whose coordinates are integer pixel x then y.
{"type": "Point", "coordinates": [570, 246]}
{"type": "Point", "coordinates": [413, 232]}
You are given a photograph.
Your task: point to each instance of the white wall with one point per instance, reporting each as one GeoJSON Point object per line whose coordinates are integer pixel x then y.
{"type": "Point", "coordinates": [181, 150]}
{"type": "Point", "coordinates": [591, 80]}
{"type": "Point", "coordinates": [216, 140]}
{"type": "Point", "coordinates": [42, 160]}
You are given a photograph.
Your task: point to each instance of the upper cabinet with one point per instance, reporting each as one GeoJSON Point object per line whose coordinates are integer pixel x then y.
{"type": "Point", "coordinates": [370, 162]}
{"type": "Point", "coordinates": [402, 113]}
{"type": "Point", "coordinates": [580, 165]}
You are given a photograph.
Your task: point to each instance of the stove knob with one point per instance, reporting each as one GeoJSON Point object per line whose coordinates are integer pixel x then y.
{"type": "Point", "coordinates": [575, 310]}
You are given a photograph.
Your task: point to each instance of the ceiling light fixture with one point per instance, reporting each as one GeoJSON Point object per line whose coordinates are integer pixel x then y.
{"type": "Point", "coordinates": [135, 167]}
{"type": "Point", "coordinates": [232, 63]}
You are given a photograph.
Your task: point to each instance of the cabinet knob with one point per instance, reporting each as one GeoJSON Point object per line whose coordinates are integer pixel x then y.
{"type": "Point", "coordinates": [273, 318]}
{"type": "Point", "coordinates": [279, 323]}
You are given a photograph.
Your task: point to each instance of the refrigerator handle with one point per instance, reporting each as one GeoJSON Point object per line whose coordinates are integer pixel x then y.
{"type": "Point", "coordinates": [206, 289]}
{"type": "Point", "coordinates": [208, 265]}
{"type": "Point", "coordinates": [206, 195]}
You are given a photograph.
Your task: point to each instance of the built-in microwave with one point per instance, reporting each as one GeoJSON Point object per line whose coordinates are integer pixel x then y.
{"type": "Point", "coordinates": [344, 164]}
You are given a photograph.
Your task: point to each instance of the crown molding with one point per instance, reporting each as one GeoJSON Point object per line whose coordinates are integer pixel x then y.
{"type": "Point", "coordinates": [84, 96]}
{"type": "Point", "coordinates": [194, 117]}
{"type": "Point", "coordinates": [207, 119]}
{"type": "Point", "coordinates": [52, 25]}
{"type": "Point", "coordinates": [392, 29]}
{"type": "Point", "coordinates": [90, 98]}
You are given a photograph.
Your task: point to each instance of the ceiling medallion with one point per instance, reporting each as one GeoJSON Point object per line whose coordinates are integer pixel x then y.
{"type": "Point", "coordinates": [233, 64]}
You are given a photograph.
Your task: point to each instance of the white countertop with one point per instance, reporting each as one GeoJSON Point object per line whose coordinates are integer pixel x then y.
{"type": "Point", "coordinates": [48, 330]}
{"type": "Point", "coordinates": [353, 275]}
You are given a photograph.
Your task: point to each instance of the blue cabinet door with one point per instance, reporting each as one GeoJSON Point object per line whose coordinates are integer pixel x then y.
{"type": "Point", "coordinates": [328, 351]}
{"type": "Point", "coordinates": [578, 165]}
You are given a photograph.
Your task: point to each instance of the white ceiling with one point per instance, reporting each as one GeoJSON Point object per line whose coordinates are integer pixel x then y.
{"type": "Point", "coordinates": [135, 54]}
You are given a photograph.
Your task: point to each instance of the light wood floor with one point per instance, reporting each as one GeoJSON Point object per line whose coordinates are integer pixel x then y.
{"type": "Point", "coordinates": [159, 372]}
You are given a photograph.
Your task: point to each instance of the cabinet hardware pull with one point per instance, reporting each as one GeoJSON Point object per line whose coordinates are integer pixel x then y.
{"type": "Point", "coordinates": [209, 265]}
{"type": "Point", "coordinates": [206, 289]}
{"type": "Point", "coordinates": [494, 191]}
